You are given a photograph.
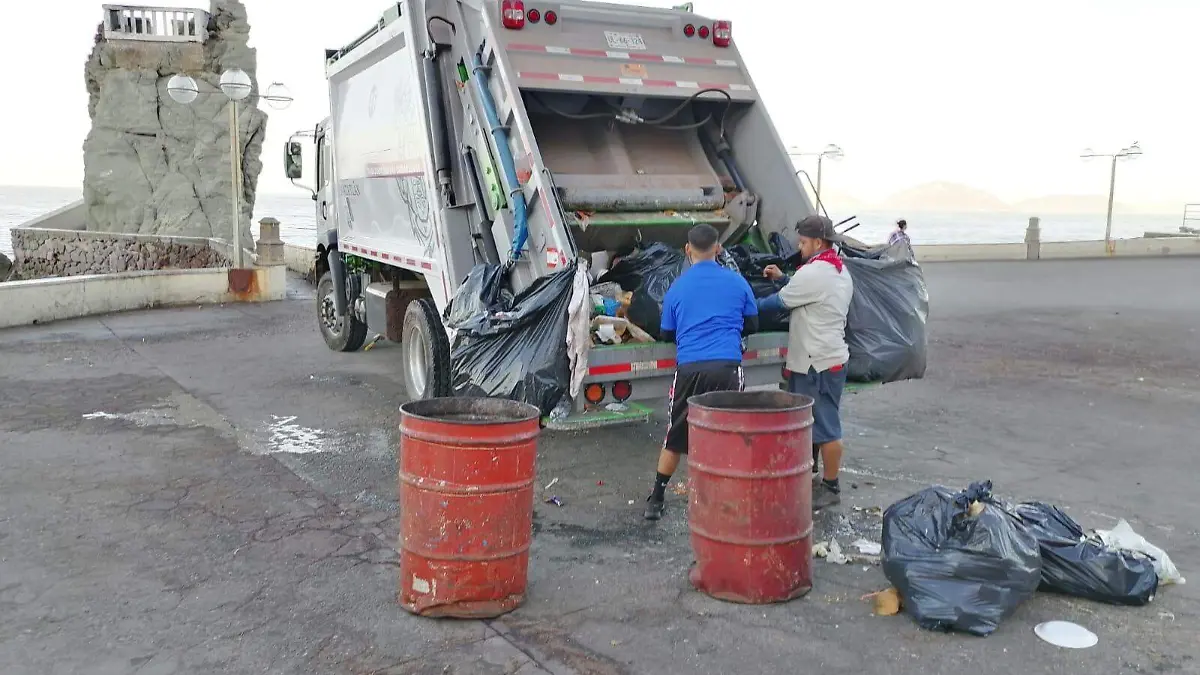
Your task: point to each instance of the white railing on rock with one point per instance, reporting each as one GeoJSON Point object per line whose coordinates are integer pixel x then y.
{"type": "Point", "coordinates": [155, 24]}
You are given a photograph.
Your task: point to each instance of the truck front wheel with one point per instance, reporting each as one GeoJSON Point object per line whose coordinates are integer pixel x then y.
{"type": "Point", "coordinates": [341, 333]}
{"type": "Point", "coordinates": [426, 351]}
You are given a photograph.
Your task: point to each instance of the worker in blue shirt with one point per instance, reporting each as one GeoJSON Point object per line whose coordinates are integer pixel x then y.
{"type": "Point", "coordinates": [705, 313]}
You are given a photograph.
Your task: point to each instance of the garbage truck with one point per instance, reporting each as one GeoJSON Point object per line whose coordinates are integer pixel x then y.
{"type": "Point", "coordinates": [537, 134]}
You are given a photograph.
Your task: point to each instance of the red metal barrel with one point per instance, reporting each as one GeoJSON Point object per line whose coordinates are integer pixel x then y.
{"type": "Point", "coordinates": [750, 511]}
{"type": "Point", "coordinates": [466, 505]}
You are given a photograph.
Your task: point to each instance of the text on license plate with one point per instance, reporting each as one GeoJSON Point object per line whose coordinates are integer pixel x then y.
{"type": "Point", "coordinates": [630, 41]}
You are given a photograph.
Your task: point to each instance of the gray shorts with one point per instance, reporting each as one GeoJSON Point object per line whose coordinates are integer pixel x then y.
{"type": "Point", "coordinates": [825, 389]}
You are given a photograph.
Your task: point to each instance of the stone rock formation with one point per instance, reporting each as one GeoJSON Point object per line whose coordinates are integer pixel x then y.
{"type": "Point", "coordinates": [154, 166]}
{"type": "Point", "coordinates": [5, 267]}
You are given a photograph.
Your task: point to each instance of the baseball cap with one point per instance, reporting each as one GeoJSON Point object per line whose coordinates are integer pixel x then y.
{"type": "Point", "coordinates": [818, 227]}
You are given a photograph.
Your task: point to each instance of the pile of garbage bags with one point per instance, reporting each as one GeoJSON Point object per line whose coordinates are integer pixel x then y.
{"type": "Point", "coordinates": [646, 274]}
{"type": "Point", "coordinates": [964, 561]}
{"type": "Point", "coordinates": [511, 347]}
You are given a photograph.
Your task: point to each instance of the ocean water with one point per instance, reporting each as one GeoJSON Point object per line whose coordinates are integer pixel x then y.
{"type": "Point", "coordinates": [295, 213]}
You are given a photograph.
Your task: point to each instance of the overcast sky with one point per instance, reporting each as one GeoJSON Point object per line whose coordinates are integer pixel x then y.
{"type": "Point", "coordinates": [998, 95]}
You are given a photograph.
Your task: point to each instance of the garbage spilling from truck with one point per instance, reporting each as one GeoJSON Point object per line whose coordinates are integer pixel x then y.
{"type": "Point", "coordinates": [964, 561]}
{"type": "Point", "coordinates": [511, 347]}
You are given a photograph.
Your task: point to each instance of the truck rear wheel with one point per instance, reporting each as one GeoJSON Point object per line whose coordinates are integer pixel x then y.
{"type": "Point", "coordinates": [426, 351]}
{"type": "Point", "coordinates": [342, 334]}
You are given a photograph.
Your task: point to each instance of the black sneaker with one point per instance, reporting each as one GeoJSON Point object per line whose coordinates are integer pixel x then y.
{"type": "Point", "coordinates": [655, 508]}
{"type": "Point", "coordinates": [823, 497]}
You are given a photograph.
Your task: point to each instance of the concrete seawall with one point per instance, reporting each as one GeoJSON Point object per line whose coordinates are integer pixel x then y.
{"type": "Point", "coordinates": [42, 300]}
{"type": "Point", "coordinates": [300, 259]}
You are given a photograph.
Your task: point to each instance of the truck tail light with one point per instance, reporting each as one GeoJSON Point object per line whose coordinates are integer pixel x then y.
{"type": "Point", "coordinates": [722, 33]}
{"type": "Point", "coordinates": [533, 15]}
{"type": "Point", "coordinates": [513, 13]}
{"type": "Point", "coordinates": [689, 30]}
{"type": "Point", "coordinates": [551, 17]}
{"type": "Point", "coordinates": [593, 393]}
{"type": "Point", "coordinates": [622, 391]}
{"type": "Point", "coordinates": [703, 32]}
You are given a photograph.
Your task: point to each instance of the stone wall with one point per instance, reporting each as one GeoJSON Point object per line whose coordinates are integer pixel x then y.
{"type": "Point", "coordinates": [40, 253]}
{"type": "Point", "coordinates": [154, 166]}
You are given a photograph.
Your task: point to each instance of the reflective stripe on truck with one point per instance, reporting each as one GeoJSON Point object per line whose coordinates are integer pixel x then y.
{"type": "Point", "coordinates": [667, 364]}
{"type": "Point", "coordinates": [632, 81]}
{"type": "Point", "coordinates": [384, 256]}
{"type": "Point", "coordinates": [625, 56]}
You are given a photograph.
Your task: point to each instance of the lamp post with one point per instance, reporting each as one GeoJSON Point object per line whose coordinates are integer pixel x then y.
{"type": "Point", "coordinates": [831, 151]}
{"type": "Point", "coordinates": [1133, 151]}
{"type": "Point", "coordinates": [236, 85]}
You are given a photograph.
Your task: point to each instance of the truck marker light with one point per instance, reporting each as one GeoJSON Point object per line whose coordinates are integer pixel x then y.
{"type": "Point", "coordinates": [622, 391]}
{"type": "Point", "coordinates": [594, 393]}
{"type": "Point", "coordinates": [551, 17]}
{"type": "Point", "coordinates": [722, 33]}
{"type": "Point", "coordinates": [533, 16]}
{"type": "Point", "coordinates": [704, 32]}
{"type": "Point", "coordinates": [513, 13]}
{"type": "Point", "coordinates": [689, 30]}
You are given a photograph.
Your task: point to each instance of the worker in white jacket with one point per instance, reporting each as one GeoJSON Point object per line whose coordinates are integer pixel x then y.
{"type": "Point", "coordinates": [818, 297]}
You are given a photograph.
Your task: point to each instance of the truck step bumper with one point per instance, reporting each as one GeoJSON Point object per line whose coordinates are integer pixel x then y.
{"type": "Point", "coordinates": [634, 413]}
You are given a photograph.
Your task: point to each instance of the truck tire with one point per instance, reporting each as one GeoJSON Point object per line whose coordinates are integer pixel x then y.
{"type": "Point", "coordinates": [426, 361]}
{"type": "Point", "coordinates": [342, 334]}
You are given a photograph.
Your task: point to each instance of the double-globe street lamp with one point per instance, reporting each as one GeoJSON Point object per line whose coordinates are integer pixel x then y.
{"type": "Point", "coordinates": [237, 86]}
{"type": "Point", "coordinates": [1132, 151]}
{"type": "Point", "coordinates": [831, 151]}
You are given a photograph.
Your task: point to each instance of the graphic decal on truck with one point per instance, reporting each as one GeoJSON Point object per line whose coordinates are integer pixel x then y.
{"type": "Point", "coordinates": [415, 197]}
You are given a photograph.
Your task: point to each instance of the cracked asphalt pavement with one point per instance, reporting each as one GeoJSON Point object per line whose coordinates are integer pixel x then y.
{"type": "Point", "coordinates": [210, 490]}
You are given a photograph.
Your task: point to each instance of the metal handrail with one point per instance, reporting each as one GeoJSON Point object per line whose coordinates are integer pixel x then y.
{"type": "Point", "coordinates": [816, 195]}
{"type": "Point", "coordinates": [155, 24]}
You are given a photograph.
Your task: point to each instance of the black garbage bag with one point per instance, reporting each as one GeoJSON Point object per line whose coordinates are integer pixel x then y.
{"type": "Point", "coordinates": [647, 273]}
{"type": "Point", "coordinates": [781, 245]}
{"type": "Point", "coordinates": [1074, 564]}
{"type": "Point", "coordinates": [483, 289]}
{"type": "Point", "coordinates": [885, 328]}
{"type": "Point", "coordinates": [515, 349]}
{"type": "Point", "coordinates": [954, 570]}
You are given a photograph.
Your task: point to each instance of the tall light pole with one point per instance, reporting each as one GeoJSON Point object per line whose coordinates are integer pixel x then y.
{"type": "Point", "coordinates": [236, 85]}
{"type": "Point", "coordinates": [1133, 151]}
{"type": "Point", "coordinates": [831, 151]}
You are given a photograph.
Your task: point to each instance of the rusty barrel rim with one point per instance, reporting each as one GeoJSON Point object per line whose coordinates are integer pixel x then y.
{"type": "Point", "coordinates": [756, 402]}
{"type": "Point", "coordinates": [777, 411]}
{"type": "Point", "coordinates": [470, 410]}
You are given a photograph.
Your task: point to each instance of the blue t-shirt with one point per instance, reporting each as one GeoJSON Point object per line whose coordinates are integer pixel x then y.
{"type": "Point", "coordinates": [705, 307]}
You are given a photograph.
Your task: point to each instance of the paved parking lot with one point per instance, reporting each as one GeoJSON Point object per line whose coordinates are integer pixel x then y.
{"type": "Point", "coordinates": [211, 490]}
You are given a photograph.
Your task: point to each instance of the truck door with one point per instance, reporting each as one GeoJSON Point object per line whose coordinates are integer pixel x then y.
{"type": "Point", "coordinates": [324, 195]}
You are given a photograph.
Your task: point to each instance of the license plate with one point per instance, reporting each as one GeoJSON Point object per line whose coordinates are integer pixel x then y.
{"type": "Point", "coordinates": [627, 41]}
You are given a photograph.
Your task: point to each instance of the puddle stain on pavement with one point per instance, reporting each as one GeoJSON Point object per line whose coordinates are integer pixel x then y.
{"type": "Point", "coordinates": [288, 437]}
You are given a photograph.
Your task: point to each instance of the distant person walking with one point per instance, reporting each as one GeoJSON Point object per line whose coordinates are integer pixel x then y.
{"type": "Point", "coordinates": [900, 234]}
{"type": "Point", "coordinates": [705, 313]}
{"type": "Point", "coordinates": [818, 297]}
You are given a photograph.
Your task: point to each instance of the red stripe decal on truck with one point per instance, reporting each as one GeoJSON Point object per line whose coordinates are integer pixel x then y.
{"type": "Point", "coordinates": [635, 367]}
{"type": "Point", "coordinates": [632, 81]}
{"type": "Point", "coordinates": [667, 364]}
{"type": "Point", "coordinates": [625, 56]}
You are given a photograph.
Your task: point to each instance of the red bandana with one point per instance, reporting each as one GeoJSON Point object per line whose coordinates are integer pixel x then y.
{"type": "Point", "coordinates": [829, 256]}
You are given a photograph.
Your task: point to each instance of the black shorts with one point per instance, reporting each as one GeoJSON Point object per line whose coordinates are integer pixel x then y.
{"type": "Point", "coordinates": [691, 380]}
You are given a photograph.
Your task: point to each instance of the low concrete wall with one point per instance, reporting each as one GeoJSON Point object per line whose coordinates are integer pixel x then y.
{"type": "Point", "coordinates": [42, 300]}
{"type": "Point", "coordinates": [44, 252]}
{"type": "Point", "coordinates": [73, 216]}
{"type": "Point", "coordinates": [967, 252]}
{"type": "Point", "coordinates": [1060, 250]}
{"type": "Point", "coordinates": [300, 259]}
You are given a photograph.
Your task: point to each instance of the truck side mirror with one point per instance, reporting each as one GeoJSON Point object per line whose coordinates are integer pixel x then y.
{"type": "Point", "coordinates": [293, 160]}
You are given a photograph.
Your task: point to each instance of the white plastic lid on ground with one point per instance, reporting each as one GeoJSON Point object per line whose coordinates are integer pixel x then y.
{"type": "Point", "coordinates": [1066, 634]}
